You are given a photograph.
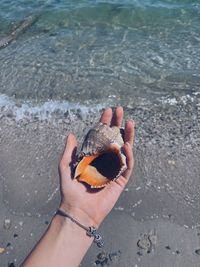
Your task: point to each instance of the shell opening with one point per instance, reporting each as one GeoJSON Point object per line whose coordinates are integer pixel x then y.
{"type": "Point", "coordinates": [107, 164]}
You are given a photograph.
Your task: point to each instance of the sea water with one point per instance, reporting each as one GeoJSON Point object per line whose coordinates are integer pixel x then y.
{"type": "Point", "coordinates": [99, 53]}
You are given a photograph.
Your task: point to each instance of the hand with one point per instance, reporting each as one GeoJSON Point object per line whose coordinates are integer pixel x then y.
{"type": "Point", "coordinates": [90, 208]}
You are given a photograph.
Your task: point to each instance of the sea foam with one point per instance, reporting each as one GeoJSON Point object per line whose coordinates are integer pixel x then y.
{"type": "Point", "coordinates": [46, 110]}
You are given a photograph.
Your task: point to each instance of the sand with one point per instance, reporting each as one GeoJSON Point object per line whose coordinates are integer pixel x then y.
{"type": "Point", "coordinates": [156, 220]}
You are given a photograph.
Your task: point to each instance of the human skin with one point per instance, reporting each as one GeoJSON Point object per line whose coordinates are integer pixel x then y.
{"type": "Point", "coordinates": [64, 244]}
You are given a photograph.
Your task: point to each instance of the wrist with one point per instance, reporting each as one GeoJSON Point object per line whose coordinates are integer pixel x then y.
{"type": "Point", "coordinates": [66, 225]}
{"type": "Point", "coordinates": [79, 215]}
{"type": "Point", "coordinates": [68, 237]}
{"type": "Point", "coordinates": [91, 231]}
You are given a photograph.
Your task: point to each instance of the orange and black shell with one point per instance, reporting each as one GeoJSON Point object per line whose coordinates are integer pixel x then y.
{"type": "Point", "coordinates": [101, 159]}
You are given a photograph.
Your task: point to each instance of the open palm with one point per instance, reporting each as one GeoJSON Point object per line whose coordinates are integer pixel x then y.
{"type": "Point", "coordinates": [91, 207]}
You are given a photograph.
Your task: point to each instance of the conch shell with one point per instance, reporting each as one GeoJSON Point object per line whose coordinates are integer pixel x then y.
{"type": "Point", "coordinates": [101, 159]}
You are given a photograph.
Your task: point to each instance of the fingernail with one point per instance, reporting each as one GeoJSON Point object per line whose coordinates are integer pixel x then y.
{"type": "Point", "coordinates": [132, 121]}
{"type": "Point", "coordinates": [69, 135]}
{"type": "Point", "coordinates": [127, 143]}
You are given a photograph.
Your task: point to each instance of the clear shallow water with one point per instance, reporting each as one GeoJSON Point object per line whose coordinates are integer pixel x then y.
{"type": "Point", "coordinates": [101, 52]}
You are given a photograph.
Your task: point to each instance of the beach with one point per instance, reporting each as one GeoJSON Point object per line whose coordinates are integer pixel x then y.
{"type": "Point", "coordinates": [156, 220]}
{"type": "Point", "coordinates": [61, 63]}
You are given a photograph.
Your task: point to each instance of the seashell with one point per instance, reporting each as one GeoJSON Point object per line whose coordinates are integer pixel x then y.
{"type": "Point", "coordinates": [101, 159]}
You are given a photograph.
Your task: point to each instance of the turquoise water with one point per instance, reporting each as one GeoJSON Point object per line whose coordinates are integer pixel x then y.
{"type": "Point", "coordinates": [98, 51]}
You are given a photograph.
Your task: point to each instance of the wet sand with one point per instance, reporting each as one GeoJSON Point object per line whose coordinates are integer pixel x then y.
{"type": "Point", "coordinates": [156, 220]}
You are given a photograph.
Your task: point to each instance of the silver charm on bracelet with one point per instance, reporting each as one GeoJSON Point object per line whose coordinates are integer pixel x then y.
{"type": "Point", "coordinates": [97, 237]}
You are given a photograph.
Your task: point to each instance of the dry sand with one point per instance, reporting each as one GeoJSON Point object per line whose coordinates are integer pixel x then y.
{"type": "Point", "coordinates": [156, 220]}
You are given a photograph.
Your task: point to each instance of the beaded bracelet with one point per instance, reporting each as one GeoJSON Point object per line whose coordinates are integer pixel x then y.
{"type": "Point", "coordinates": [90, 231]}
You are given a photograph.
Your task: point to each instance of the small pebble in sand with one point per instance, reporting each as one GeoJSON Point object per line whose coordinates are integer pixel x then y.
{"type": "Point", "coordinates": [138, 188]}
{"type": "Point", "coordinates": [168, 247]}
{"type": "Point", "coordinates": [119, 208]}
{"type": "Point", "coordinates": [106, 259]}
{"type": "Point", "coordinates": [2, 250]}
{"type": "Point", "coordinates": [177, 252]}
{"type": "Point", "coordinates": [171, 162]}
{"type": "Point", "coordinates": [21, 223]}
{"type": "Point", "coordinates": [102, 259]}
{"type": "Point", "coordinates": [11, 264]}
{"type": "Point", "coordinates": [15, 235]}
{"type": "Point", "coordinates": [114, 256]}
{"type": "Point", "coordinates": [7, 224]}
{"type": "Point", "coordinates": [139, 253]}
{"type": "Point", "coordinates": [197, 251]}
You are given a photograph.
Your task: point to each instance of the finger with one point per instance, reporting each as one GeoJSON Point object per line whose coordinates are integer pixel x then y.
{"type": "Point", "coordinates": [106, 116]}
{"type": "Point", "coordinates": [129, 132]}
{"type": "Point", "coordinates": [129, 160]}
{"type": "Point", "coordinates": [121, 182]}
{"type": "Point", "coordinates": [69, 152]}
{"type": "Point", "coordinates": [117, 117]}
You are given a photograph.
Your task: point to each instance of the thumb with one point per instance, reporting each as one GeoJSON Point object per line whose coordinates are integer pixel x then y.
{"type": "Point", "coordinates": [69, 152]}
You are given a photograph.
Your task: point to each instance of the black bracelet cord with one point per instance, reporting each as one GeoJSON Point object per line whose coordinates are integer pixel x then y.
{"type": "Point", "coordinates": [90, 231]}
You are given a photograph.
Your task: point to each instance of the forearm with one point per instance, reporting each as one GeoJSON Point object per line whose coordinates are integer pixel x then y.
{"type": "Point", "coordinates": [63, 245]}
